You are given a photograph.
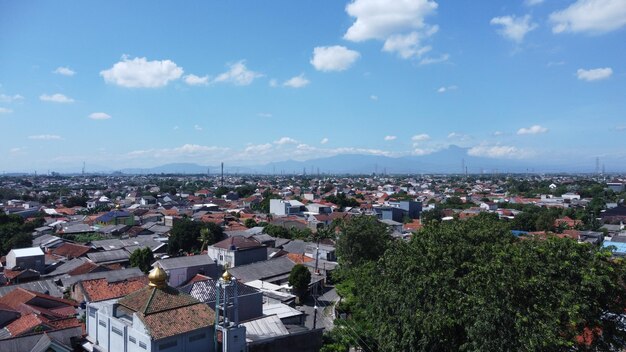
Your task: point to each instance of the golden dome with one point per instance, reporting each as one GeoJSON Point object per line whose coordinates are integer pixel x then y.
{"type": "Point", "coordinates": [226, 276]}
{"type": "Point", "coordinates": [158, 277]}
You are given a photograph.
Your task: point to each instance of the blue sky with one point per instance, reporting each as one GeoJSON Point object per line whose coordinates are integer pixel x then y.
{"type": "Point", "coordinates": [143, 83]}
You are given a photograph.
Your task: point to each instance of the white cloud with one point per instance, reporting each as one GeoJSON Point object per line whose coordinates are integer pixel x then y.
{"type": "Point", "coordinates": [238, 74]}
{"type": "Point", "coordinates": [498, 133]}
{"type": "Point", "coordinates": [533, 2]}
{"type": "Point", "coordinates": [534, 129]}
{"type": "Point", "coordinates": [264, 114]}
{"type": "Point", "coordinates": [446, 89]}
{"type": "Point", "coordinates": [197, 127]}
{"type": "Point", "coordinates": [590, 16]}
{"type": "Point", "coordinates": [56, 98]}
{"type": "Point", "coordinates": [99, 116]}
{"type": "Point", "coordinates": [333, 58]}
{"type": "Point", "coordinates": [16, 150]}
{"type": "Point", "coordinates": [65, 71]}
{"type": "Point", "coordinates": [390, 138]}
{"type": "Point", "coordinates": [497, 151]}
{"type": "Point", "coordinates": [434, 60]}
{"type": "Point", "coordinates": [194, 80]}
{"type": "Point", "coordinates": [10, 98]}
{"type": "Point", "coordinates": [374, 97]}
{"type": "Point", "coordinates": [5, 110]}
{"type": "Point", "coordinates": [420, 137]}
{"type": "Point", "coordinates": [594, 74]}
{"type": "Point", "coordinates": [459, 136]}
{"type": "Point", "coordinates": [408, 45]}
{"type": "Point", "coordinates": [141, 73]}
{"type": "Point", "coordinates": [286, 140]}
{"type": "Point", "coordinates": [46, 137]}
{"type": "Point", "coordinates": [400, 24]}
{"type": "Point", "coordinates": [297, 82]}
{"type": "Point", "coordinates": [324, 140]}
{"type": "Point", "coordinates": [378, 19]}
{"type": "Point", "coordinates": [514, 28]}
{"type": "Point", "coordinates": [184, 151]}
{"type": "Point", "coordinates": [423, 151]}
{"type": "Point", "coordinates": [273, 83]}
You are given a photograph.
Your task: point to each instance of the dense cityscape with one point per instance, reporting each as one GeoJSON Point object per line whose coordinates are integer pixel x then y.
{"type": "Point", "coordinates": [312, 176]}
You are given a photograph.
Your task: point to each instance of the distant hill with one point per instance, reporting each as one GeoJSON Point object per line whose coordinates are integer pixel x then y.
{"type": "Point", "coordinates": [449, 160]}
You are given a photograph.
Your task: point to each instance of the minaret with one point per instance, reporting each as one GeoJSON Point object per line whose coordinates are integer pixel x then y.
{"type": "Point", "coordinates": [229, 335]}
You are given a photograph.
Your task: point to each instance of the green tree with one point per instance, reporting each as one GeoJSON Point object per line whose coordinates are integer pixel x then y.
{"type": "Point", "coordinates": [299, 279]}
{"type": "Point", "coordinates": [142, 258]}
{"type": "Point", "coordinates": [472, 286]}
{"type": "Point", "coordinates": [250, 223]}
{"type": "Point", "coordinates": [361, 238]}
{"type": "Point", "coordinates": [186, 236]}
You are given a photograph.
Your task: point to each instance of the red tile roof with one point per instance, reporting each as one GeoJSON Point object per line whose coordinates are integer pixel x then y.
{"type": "Point", "coordinates": [100, 289]}
{"type": "Point", "coordinates": [20, 296]}
{"type": "Point", "coordinates": [71, 250]}
{"type": "Point", "coordinates": [85, 268]}
{"type": "Point", "coordinates": [24, 324]}
{"type": "Point", "coordinates": [299, 258]}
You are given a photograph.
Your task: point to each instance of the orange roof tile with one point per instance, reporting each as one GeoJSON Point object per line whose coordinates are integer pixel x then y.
{"type": "Point", "coordinates": [100, 289]}
{"type": "Point", "coordinates": [299, 258]}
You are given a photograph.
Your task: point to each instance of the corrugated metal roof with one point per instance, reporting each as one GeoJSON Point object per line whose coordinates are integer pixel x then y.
{"type": "Point", "coordinates": [205, 291]}
{"type": "Point", "coordinates": [41, 286]}
{"type": "Point", "coordinates": [281, 310]}
{"type": "Point", "coordinates": [27, 252]}
{"type": "Point", "coordinates": [109, 256]}
{"type": "Point", "coordinates": [263, 270]}
{"type": "Point", "coordinates": [111, 276]}
{"type": "Point", "coordinates": [185, 262]}
{"type": "Point", "coordinates": [265, 328]}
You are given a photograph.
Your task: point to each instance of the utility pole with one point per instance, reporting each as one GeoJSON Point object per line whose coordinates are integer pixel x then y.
{"type": "Point", "coordinates": [222, 174]}
{"type": "Point", "coordinates": [315, 316]}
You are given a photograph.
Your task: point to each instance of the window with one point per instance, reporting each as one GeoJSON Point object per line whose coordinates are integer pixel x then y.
{"type": "Point", "coordinates": [132, 339]}
{"type": "Point", "coordinates": [167, 345]}
{"type": "Point", "coordinates": [117, 331]}
{"type": "Point", "coordinates": [197, 337]}
{"type": "Point", "coordinates": [92, 312]}
{"type": "Point", "coordinates": [142, 345]}
{"type": "Point", "coordinates": [102, 323]}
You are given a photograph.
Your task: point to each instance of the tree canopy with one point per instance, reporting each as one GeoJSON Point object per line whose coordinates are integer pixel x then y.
{"type": "Point", "coordinates": [299, 279]}
{"type": "Point", "coordinates": [361, 239]}
{"type": "Point", "coordinates": [187, 236]}
{"type": "Point", "coordinates": [15, 233]}
{"type": "Point", "coordinates": [142, 258]}
{"type": "Point", "coordinates": [472, 286]}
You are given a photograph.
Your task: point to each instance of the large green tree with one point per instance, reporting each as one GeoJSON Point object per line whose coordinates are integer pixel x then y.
{"type": "Point", "coordinates": [187, 236]}
{"type": "Point", "coordinates": [15, 232]}
{"type": "Point", "coordinates": [142, 258]}
{"type": "Point", "coordinates": [299, 279]}
{"type": "Point", "coordinates": [361, 239]}
{"type": "Point", "coordinates": [472, 286]}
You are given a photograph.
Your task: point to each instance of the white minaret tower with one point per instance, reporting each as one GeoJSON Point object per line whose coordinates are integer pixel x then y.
{"type": "Point", "coordinates": [229, 335]}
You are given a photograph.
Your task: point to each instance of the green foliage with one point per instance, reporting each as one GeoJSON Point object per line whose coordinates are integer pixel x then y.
{"type": "Point", "coordinates": [472, 286]}
{"type": "Point", "coordinates": [187, 236]}
{"type": "Point", "coordinates": [342, 200]}
{"type": "Point", "coordinates": [220, 191]}
{"type": "Point", "coordinates": [142, 259]}
{"type": "Point", "coordinates": [245, 191]}
{"type": "Point", "coordinates": [14, 233]}
{"type": "Point", "coordinates": [76, 202]}
{"type": "Point", "coordinates": [361, 239]}
{"type": "Point", "coordinates": [84, 238]}
{"type": "Point", "coordinates": [264, 205]}
{"type": "Point", "coordinates": [299, 279]}
{"type": "Point", "coordinates": [292, 233]}
{"type": "Point", "coordinates": [250, 223]}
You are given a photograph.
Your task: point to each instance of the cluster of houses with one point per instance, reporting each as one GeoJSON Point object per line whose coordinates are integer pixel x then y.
{"type": "Point", "coordinates": [75, 288]}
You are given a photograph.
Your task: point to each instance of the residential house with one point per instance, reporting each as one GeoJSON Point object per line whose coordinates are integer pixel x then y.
{"type": "Point", "coordinates": [236, 251]}
{"type": "Point", "coordinates": [182, 269]}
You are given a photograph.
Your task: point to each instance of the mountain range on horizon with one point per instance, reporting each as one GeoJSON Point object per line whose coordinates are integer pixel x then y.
{"type": "Point", "coordinates": [453, 160]}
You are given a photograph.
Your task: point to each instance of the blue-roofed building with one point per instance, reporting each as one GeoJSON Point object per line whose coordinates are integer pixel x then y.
{"type": "Point", "coordinates": [116, 217]}
{"type": "Point", "coordinates": [620, 247]}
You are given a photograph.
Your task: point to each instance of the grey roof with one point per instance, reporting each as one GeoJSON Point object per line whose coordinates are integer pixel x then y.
{"type": "Point", "coordinates": [41, 286]}
{"type": "Point", "coordinates": [185, 262]}
{"type": "Point", "coordinates": [265, 270]}
{"type": "Point", "coordinates": [160, 229]}
{"type": "Point", "coordinates": [281, 310]}
{"type": "Point", "coordinates": [77, 228]}
{"type": "Point", "coordinates": [37, 343]}
{"type": "Point", "coordinates": [42, 240]}
{"type": "Point", "coordinates": [118, 255]}
{"type": "Point", "coordinates": [265, 328]}
{"type": "Point", "coordinates": [295, 246]}
{"type": "Point", "coordinates": [67, 266]}
{"type": "Point", "coordinates": [111, 276]}
{"type": "Point", "coordinates": [205, 291]}
{"type": "Point", "coordinates": [135, 242]}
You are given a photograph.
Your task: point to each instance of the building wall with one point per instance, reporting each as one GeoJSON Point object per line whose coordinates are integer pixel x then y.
{"type": "Point", "coordinates": [36, 262]}
{"type": "Point", "coordinates": [278, 207]}
{"type": "Point", "coordinates": [250, 256]}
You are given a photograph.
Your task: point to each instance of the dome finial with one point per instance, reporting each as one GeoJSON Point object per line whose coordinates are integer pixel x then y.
{"type": "Point", "coordinates": [158, 277]}
{"type": "Point", "coordinates": [226, 276]}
